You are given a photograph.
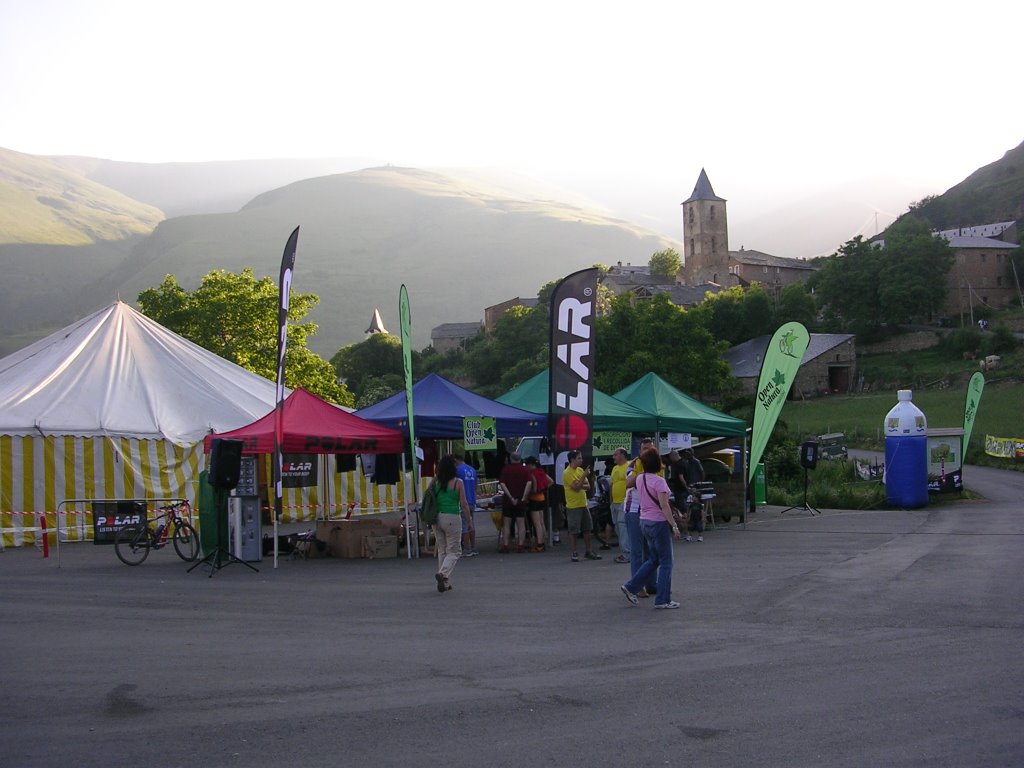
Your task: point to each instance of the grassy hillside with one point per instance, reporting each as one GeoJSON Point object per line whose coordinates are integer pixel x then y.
{"type": "Point", "coordinates": [991, 194]}
{"type": "Point", "coordinates": [860, 417]}
{"type": "Point", "coordinates": [458, 247]}
{"type": "Point", "coordinates": [43, 202]}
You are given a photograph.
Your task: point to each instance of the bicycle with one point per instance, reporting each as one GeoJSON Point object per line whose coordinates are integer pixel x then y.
{"type": "Point", "coordinates": [133, 541]}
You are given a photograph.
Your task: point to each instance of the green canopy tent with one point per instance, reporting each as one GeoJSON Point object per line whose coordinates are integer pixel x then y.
{"type": "Point", "coordinates": [677, 412]}
{"type": "Point", "coordinates": [610, 414]}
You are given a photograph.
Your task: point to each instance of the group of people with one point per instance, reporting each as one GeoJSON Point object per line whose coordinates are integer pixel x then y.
{"type": "Point", "coordinates": [641, 501]}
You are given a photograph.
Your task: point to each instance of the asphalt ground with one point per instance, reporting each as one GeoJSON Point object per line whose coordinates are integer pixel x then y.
{"type": "Point", "coordinates": [842, 639]}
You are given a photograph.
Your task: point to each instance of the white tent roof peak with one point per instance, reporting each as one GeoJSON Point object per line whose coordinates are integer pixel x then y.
{"type": "Point", "coordinates": [118, 373]}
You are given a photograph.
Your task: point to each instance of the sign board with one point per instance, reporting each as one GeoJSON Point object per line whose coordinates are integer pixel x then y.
{"type": "Point", "coordinates": [605, 443]}
{"type": "Point", "coordinates": [674, 441]}
{"type": "Point", "coordinates": [109, 516]}
{"type": "Point", "coordinates": [298, 470]}
{"type": "Point", "coordinates": [479, 433]}
{"type": "Point", "coordinates": [945, 460]}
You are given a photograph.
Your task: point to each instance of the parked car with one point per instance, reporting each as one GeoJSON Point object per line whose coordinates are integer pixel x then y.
{"type": "Point", "coordinates": [832, 446]}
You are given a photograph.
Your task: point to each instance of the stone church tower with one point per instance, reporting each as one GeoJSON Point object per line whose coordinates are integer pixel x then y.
{"type": "Point", "coordinates": [705, 236]}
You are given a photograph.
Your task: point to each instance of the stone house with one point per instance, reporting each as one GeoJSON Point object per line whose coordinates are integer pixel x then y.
{"type": "Point", "coordinates": [773, 273]}
{"type": "Point", "coordinates": [828, 367]}
{"type": "Point", "coordinates": [448, 336]}
{"type": "Point", "coordinates": [982, 274]}
{"type": "Point", "coordinates": [495, 312]}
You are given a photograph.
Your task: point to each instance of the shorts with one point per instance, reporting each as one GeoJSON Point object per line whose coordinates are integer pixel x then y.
{"type": "Point", "coordinates": [515, 512]}
{"type": "Point", "coordinates": [556, 495]}
{"type": "Point", "coordinates": [537, 506]}
{"type": "Point", "coordinates": [579, 520]}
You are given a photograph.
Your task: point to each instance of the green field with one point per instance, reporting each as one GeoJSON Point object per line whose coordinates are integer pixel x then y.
{"type": "Point", "coordinates": [861, 417]}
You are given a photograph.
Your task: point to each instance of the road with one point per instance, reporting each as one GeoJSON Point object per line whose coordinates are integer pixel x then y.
{"type": "Point", "coordinates": [846, 639]}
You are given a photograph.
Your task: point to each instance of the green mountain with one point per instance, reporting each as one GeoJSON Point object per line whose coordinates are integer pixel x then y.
{"type": "Point", "coordinates": [991, 194]}
{"type": "Point", "coordinates": [458, 244]}
{"type": "Point", "coordinates": [44, 202]}
{"type": "Point", "coordinates": [458, 247]}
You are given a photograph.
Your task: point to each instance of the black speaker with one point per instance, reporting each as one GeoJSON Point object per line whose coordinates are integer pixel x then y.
{"type": "Point", "coordinates": [809, 454]}
{"type": "Point", "coordinates": [225, 463]}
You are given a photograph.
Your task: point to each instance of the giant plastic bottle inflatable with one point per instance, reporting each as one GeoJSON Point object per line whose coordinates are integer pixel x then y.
{"type": "Point", "coordinates": [906, 454]}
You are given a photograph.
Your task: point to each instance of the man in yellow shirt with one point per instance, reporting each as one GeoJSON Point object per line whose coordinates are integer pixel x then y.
{"type": "Point", "coordinates": [620, 465]}
{"type": "Point", "coordinates": [576, 481]}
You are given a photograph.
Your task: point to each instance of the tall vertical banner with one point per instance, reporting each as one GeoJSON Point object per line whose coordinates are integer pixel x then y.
{"type": "Point", "coordinates": [405, 319]}
{"type": "Point", "coordinates": [778, 372]}
{"type": "Point", "coordinates": [571, 367]}
{"type": "Point", "coordinates": [974, 389]}
{"type": "Point", "coordinates": [284, 298]}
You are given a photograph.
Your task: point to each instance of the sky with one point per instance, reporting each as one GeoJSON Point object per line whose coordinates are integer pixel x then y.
{"type": "Point", "coordinates": [791, 107]}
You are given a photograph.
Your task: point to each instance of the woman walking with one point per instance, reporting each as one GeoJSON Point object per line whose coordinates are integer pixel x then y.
{"type": "Point", "coordinates": [451, 504]}
{"type": "Point", "coordinates": [658, 528]}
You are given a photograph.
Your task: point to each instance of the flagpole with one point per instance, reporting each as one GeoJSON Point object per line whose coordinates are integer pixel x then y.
{"type": "Point", "coordinates": [405, 321]}
{"type": "Point", "coordinates": [284, 298]}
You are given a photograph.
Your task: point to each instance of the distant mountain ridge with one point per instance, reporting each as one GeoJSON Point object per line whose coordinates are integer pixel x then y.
{"type": "Point", "coordinates": [77, 232]}
{"type": "Point", "coordinates": [457, 242]}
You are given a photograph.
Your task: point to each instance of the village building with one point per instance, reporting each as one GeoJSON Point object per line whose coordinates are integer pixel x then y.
{"type": "Point", "coordinates": [449, 336]}
{"type": "Point", "coordinates": [828, 366]}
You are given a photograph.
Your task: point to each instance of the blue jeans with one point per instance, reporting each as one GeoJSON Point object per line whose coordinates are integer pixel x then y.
{"type": "Point", "coordinates": [658, 538]}
{"type": "Point", "coordinates": [638, 549]}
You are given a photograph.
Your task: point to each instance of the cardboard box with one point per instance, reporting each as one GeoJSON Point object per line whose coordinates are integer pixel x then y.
{"type": "Point", "coordinates": [377, 547]}
{"type": "Point", "coordinates": [345, 537]}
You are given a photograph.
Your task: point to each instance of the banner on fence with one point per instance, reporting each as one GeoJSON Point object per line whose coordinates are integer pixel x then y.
{"type": "Point", "coordinates": [1004, 447]}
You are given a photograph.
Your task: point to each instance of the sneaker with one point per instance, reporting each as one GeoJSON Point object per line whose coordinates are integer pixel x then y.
{"type": "Point", "coordinates": [621, 559]}
{"type": "Point", "coordinates": [575, 557]}
{"type": "Point", "coordinates": [557, 540]}
{"type": "Point", "coordinates": [667, 606]}
{"type": "Point", "coordinates": [689, 538]}
{"type": "Point", "coordinates": [470, 553]}
{"type": "Point", "coordinates": [629, 595]}
{"type": "Point", "coordinates": [605, 546]}
{"type": "Point", "coordinates": [700, 538]}
{"type": "Point", "coordinates": [441, 585]}
{"type": "Point", "coordinates": [644, 593]}
{"type": "Point", "coordinates": [591, 556]}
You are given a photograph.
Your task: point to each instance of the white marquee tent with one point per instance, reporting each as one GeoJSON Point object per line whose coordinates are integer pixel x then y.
{"type": "Point", "coordinates": [114, 406]}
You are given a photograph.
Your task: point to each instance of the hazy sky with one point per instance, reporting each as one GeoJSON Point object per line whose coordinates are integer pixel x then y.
{"type": "Point", "coordinates": [781, 102]}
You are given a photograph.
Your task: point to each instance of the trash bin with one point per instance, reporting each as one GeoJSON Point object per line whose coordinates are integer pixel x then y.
{"type": "Point", "coordinates": [207, 514]}
{"type": "Point", "coordinates": [760, 485]}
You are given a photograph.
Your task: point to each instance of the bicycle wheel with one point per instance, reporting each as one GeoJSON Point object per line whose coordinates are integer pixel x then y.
{"type": "Point", "coordinates": [186, 542]}
{"type": "Point", "coordinates": [132, 544]}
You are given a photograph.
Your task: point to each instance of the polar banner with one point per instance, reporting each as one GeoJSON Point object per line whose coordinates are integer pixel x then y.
{"type": "Point", "coordinates": [571, 379]}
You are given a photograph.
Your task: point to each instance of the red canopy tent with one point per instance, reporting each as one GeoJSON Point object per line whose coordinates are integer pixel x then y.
{"type": "Point", "coordinates": [312, 425]}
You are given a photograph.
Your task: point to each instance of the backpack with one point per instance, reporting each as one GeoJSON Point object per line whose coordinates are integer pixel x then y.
{"type": "Point", "coordinates": [429, 508]}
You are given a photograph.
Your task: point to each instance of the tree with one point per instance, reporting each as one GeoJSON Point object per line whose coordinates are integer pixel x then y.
{"type": "Point", "coordinates": [737, 315]}
{"type": "Point", "coordinates": [847, 286]}
{"type": "Point", "coordinates": [915, 269]}
{"type": "Point", "coordinates": [654, 334]}
{"type": "Point", "coordinates": [797, 305]}
{"type": "Point", "coordinates": [363, 365]}
{"type": "Point", "coordinates": [665, 263]}
{"type": "Point", "coordinates": [235, 317]}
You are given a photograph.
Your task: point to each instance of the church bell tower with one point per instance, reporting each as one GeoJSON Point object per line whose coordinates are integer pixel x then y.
{"type": "Point", "coordinates": [705, 236]}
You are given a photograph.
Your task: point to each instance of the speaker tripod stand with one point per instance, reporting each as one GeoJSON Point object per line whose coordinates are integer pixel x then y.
{"type": "Point", "coordinates": [221, 556]}
{"type": "Point", "coordinates": [805, 506]}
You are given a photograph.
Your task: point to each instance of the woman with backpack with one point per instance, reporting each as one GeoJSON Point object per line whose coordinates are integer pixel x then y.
{"type": "Point", "coordinates": [451, 508]}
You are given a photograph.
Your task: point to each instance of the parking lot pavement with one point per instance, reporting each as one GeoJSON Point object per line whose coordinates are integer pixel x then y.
{"type": "Point", "coordinates": [847, 639]}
